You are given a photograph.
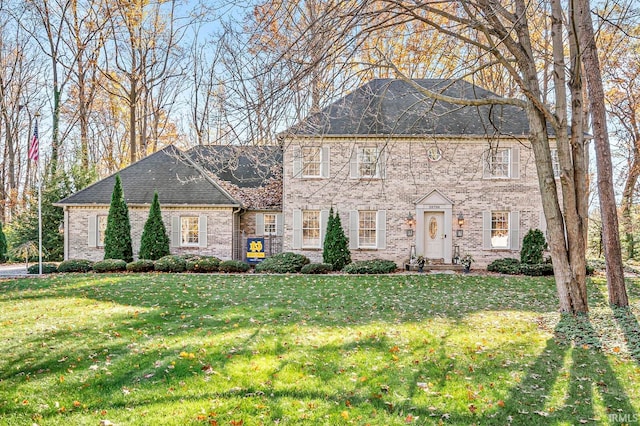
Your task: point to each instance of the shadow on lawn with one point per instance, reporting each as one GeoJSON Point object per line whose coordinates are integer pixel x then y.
{"type": "Point", "coordinates": [575, 343]}
{"type": "Point", "coordinates": [631, 329]}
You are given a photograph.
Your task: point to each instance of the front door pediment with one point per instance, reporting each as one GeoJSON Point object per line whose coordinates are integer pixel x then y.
{"type": "Point", "coordinates": [434, 197]}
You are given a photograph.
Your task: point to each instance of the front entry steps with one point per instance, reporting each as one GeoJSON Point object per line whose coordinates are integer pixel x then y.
{"type": "Point", "coordinates": [434, 267]}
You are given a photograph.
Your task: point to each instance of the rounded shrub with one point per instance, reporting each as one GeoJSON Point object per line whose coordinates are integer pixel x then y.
{"type": "Point", "coordinates": [374, 266]}
{"type": "Point", "coordinates": [110, 265]}
{"type": "Point", "coordinates": [75, 265]}
{"type": "Point", "coordinates": [170, 263]}
{"type": "Point", "coordinates": [283, 263]}
{"type": "Point", "coordinates": [505, 266]}
{"type": "Point", "coordinates": [317, 268]}
{"type": "Point", "coordinates": [142, 265]}
{"type": "Point", "coordinates": [537, 270]}
{"type": "Point", "coordinates": [203, 264]}
{"type": "Point", "coordinates": [47, 268]}
{"type": "Point", "coordinates": [233, 266]}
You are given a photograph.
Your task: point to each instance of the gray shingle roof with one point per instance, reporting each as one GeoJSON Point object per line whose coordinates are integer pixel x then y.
{"type": "Point", "coordinates": [243, 166]}
{"type": "Point", "coordinates": [394, 107]}
{"type": "Point", "coordinates": [167, 171]}
{"type": "Point", "coordinates": [251, 174]}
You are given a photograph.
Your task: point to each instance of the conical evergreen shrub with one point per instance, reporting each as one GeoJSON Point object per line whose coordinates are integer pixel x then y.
{"type": "Point", "coordinates": [155, 241]}
{"type": "Point", "coordinates": [336, 245]}
{"type": "Point", "coordinates": [117, 236]}
{"type": "Point", "coordinates": [3, 245]}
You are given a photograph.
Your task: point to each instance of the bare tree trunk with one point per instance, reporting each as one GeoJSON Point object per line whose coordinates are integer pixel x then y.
{"type": "Point", "coordinates": [613, 253]}
{"type": "Point", "coordinates": [133, 101]}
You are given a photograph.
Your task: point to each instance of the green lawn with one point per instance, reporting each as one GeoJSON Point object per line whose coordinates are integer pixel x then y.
{"type": "Point", "coordinates": [259, 349]}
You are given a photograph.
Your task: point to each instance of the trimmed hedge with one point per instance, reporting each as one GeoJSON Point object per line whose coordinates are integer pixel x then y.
{"type": "Point", "coordinates": [317, 268]}
{"type": "Point", "coordinates": [536, 270]}
{"type": "Point", "coordinates": [47, 268]}
{"type": "Point", "coordinates": [375, 266]}
{"type": "Point", "coordinates": [203, 264]}
{"type": "Point", "coordinates": [75, 265]}
{"type": "Point", "coordinates": [505, 266]}
{"type": "Point", "coordinates": [515, 267]}
{"type": "Point", "coordinates": [233, 266]}
{"type": "Point", "coordinates": [110, 265]}
{"type": "Point", "coordinates": [142, 265]}
{"type": "Point", "coordinates": [283, 263]}
{"type": "Point", "coordinates": [170, 263]}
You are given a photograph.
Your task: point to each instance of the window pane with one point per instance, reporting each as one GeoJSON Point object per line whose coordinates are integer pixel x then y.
{"type": "Point", "coordinates": [498, 162]}
{"type": "Point", "coordinates": [189, 234]}
{"type": "Point", "coordinates": [555, 163]}
{"type": "Point", "coordinates": [269, 224]}
{"type": "Point", "coordinates": [102, 227]}
{"type": "Point", "coordinates": [368, 162]}
{"type": "Point", "coordinates": [311, 161]}
{"type": "Point", "coordinates": [367, 229]}
{"type": "Point", "coordinates": [500, 229]}
{"type": "Point", "coordinates": [311, 229]}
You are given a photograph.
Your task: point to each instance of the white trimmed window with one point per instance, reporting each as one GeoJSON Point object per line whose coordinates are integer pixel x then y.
{"type": "Point", "coordinates": [368, 162]}
{"type": "Point", "coordinates": [368, 229]}
{"type": "Point", "coordinates": [498, 162]}
{"type": "Point", "coordinates": [555, 163]}
{"type": "Point", "coordinates": [501, 230]}
{"type": "Point", "coordinates": [96, 227]}
{"type": "Point", "coordinates": [311, 162]}
{"type": "Point", "coordinates": [311, 228]}
{"type": "Point", "coordinates": [270, 226]}
{"type": "Point", "coordinates": [367, 226]}
{"type": "Point", "coordinates": [101, 228]}
{"type": "Point", "coordinates": [189, 230]}
{"type": "Point", "coordinates": [502, 163]}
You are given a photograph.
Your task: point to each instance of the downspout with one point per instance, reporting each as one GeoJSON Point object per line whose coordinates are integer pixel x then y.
{"type": "Point", "coordinates": [236, 238]}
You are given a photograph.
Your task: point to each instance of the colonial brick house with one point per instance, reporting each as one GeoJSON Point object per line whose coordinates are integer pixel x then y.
{"type": "Point", "coordinates": [407, 174]}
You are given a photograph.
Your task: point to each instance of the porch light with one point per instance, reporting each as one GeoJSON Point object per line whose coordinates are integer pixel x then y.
{"type": "Point", "coordinates": [410, 221]}
{"type": "Point", "coordinates": [61, 228]}
{"type": "Point", "coordinates": [460, 219]}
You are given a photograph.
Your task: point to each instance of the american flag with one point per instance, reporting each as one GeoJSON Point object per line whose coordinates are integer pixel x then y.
{"type": "Point", "coordinates": [33, 148]}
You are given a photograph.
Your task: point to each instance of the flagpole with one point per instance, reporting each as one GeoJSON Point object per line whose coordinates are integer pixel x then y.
{"type": "Point", "coordinates": [39, 206]}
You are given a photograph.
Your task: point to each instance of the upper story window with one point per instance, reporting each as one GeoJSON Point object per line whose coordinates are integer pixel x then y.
{"type": "Point", "coordinates": [498, 162]}
{"type": "Point", "coordinates": [311, 228]}
{"type": "Point", "coordinates": [434, 153]}
{"type": "Point", "coordinates": [502, 163]}
{"type": "Point", "coordinates": [555, 163]}
{"type": "Point", "coordinates": [368, 162]}
{"type": "Point", "coordinates": [311, 161]}
{"type": "Point", "coordinates": [190, 230]}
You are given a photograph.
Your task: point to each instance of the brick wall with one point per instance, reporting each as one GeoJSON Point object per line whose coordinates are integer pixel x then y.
{"type": "Point", "coordinates": [409, 177]}
{"type": "Point", "coordinates": [219, 230]}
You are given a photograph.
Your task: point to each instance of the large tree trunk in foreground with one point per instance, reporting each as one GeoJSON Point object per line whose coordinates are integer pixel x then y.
{"type": "Point", "coordinates": [612, 251]}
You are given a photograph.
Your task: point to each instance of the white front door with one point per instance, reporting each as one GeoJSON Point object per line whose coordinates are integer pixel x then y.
{"type": "Point", "coordinates": [434, 235]}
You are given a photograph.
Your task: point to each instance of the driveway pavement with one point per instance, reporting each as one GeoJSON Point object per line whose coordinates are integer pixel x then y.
{"type": "Point", "coordinates": [12, 270]}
